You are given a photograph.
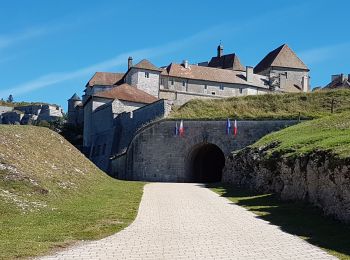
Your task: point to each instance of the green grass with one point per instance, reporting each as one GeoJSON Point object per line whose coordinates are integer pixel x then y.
{"type": "Point", "coordinates": [51, 196]}
{"type": "Point", "coordinates": [296, 218]}
{"type": "Point", "coordinates": [271, 106]}
{"type": "Point", "coordinates": [331, 133]}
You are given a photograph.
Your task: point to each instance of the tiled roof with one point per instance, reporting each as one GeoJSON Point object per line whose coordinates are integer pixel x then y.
{"type": "Point", "coordinates": [127, 93]}
{"type": "Point", "coordinates": [145, 64]}
{"type": "Point", "coordinates": [283, 56]}
{"type": "Point", "coordinates": [214, 75]}
{"type": "Point", "coordinates": [105, 79]}
{"type": "Point", "coordinates": [339, 82]}
{"type": "Point", "coordinates": [229, 61]}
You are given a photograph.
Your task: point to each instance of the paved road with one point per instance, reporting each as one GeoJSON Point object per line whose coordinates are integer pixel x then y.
{"type": "Point", "coordinates": [187, 221]}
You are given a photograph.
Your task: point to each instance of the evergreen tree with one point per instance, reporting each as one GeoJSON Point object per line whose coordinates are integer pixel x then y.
{"type": "Point", "coordinates": [10, 98]}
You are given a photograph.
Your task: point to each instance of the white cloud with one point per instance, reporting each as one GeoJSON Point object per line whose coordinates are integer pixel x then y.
{"type": "Point", "coordinates": [54, 78]}
{"type": "Point", "coordinates": [9, 40]}
{"type": "Point", "coordinates": [324, 53]}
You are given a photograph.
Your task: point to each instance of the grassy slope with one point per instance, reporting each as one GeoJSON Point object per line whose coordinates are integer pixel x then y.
{"type": "Point", "coordinates": [328, 133]}
{"type": "Point", "coordinates": [51, 195]}
{"type": "Point", "coordinates": [286, 106]}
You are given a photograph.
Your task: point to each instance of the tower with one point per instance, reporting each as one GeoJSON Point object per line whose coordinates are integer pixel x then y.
{"type": "Point", "coordinates": [220, 50]}
{"type": "Point", "coordinates": [73, 106]}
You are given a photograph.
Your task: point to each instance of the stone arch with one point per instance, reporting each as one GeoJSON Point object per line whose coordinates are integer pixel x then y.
{"type": "Point", "coordinates": [205, 163]}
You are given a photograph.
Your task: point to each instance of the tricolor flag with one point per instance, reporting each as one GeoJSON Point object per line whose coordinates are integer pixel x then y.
{"type": "Point", "coordinates": [235, 129]}
{"type": "Point", "coordinates": [176, 129]}
{"type": "Point", "coordinates": [228, 126]}
{"type": "Point", "coordinates": [182, 129]}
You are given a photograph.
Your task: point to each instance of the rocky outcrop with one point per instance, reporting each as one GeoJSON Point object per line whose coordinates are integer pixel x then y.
{"type": "Point", "coordinates": [320, 177]}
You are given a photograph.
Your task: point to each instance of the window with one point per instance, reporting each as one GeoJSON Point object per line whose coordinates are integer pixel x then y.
{"type": "Point", "coordinates": [241, 91]}
{"type": "Point", "coordinates": [221, 87]}
{"type": "Point", "coordinates": [184, 83]}
{"type": "Point", "coordinates": [213, 93]}
{"type": "Point", "coordinates": [146, 74]}
{"type": "Point", "coordinates": [286, 75]}
{"type": "Point", "coordinates": [205, 86]}
{"type": "Point", "coordinates": [172, 82]}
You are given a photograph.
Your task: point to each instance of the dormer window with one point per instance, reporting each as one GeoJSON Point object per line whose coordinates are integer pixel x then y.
{"type": "Point", "coordinates": [147, 75]}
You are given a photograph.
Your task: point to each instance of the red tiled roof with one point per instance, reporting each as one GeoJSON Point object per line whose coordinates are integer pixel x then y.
{"type": "Point", "coordinates": [127, 93]}
{"type": "Point", "coordinates": [213, 74]}
{"type": "Point", "coordinates": [105, 79]}
{"type": "Point", "coordinates": [145, 64]}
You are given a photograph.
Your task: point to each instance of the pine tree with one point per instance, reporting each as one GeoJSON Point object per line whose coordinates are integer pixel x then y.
{"type": "Point", "coordinates": [10, 98]}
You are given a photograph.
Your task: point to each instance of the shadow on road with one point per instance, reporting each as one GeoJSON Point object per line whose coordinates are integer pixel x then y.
{"type": "Point", "coordinates": [296, 218]}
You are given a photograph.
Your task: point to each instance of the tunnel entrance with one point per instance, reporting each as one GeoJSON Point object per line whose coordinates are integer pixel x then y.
{"type": "Point", "coordinates": [206, 162]}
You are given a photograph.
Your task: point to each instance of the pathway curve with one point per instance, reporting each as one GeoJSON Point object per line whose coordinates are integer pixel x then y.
{"type": "Point", "coordinates": [187, 221]}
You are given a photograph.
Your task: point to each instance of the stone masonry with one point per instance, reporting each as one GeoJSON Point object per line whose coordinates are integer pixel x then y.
{"type": "Point", "coordinates": [156, 154]}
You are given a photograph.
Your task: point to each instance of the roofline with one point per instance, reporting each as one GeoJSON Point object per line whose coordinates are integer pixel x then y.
{"type": "Point", "coordinates": [290, 68]}
{"type": "Point", "coordinates": [215, 81]}
{"type": "Point", "coordinates": [133, 67]}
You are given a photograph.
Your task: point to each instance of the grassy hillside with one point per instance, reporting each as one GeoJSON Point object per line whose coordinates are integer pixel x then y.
{"type": "Point", "coordinates": [51, 195]}
{"type": "Point", "coordinates": [329, 133]}
{"type": "Point", "coordinates": [272, 106]}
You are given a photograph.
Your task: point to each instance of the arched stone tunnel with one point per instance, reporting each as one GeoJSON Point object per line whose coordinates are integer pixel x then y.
{"type": "Point", "coordinates": [205, 163]}
{"type": "Point", "coordinates": [157, 154]}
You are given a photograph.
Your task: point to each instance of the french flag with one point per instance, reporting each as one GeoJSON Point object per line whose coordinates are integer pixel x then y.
{"type": "Point", "coordinates": [228, 126]}
{"type": "Point", "coordinates": [235, 129]}
{"type": "Point", "coordinates": [182, 129]}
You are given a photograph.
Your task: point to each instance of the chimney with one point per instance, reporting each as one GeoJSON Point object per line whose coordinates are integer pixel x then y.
{"type": "Point", "coordinates": [249, 73]}
{"type": "Point", "coordinates": [343, 77]}
{"type": "Point", "coordinates": [185, 64]}
{"type": "Point", "coordinates": [129, 62]}
{"type": "Point", "coordinates": [220, 50]}
{"type": "Point", "coordinates": [334, 77]}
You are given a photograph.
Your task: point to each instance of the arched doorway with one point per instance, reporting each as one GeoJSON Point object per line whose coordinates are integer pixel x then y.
{"type": "Point", "coordinates": [205, 164]}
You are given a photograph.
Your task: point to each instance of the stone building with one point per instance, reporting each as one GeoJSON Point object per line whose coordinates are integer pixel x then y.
{"type": "Point", "coordinates": [115, 105]}
{"type": "Point", "coordinates": [30, 113]}
{"type": "Point", "coordinates": [339, 81]}
{"type": "Point", "coordinates": [75, 110]}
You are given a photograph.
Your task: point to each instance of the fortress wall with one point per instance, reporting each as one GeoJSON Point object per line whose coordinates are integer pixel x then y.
{"type": "Point", "coordinates": [128, 123]}
{"type": "Point", "coordinates": [156, 154]}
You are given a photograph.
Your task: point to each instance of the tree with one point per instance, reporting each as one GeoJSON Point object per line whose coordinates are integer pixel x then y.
{"type": "Point", "coordinates": [10, 98]}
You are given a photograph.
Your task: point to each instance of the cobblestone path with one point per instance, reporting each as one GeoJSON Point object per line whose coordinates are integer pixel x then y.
{"type": "Point", "coordinates": [187, 221]}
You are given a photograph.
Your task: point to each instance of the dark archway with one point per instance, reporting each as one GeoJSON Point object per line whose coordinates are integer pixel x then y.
{"type": "Point", "coordinates": [206, 162]}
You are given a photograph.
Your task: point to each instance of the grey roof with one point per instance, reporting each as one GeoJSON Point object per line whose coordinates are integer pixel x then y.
{"type": "Point", "coordinates": [75, 97]}
{"type": "Point", "coordinates": [339, 82]}
{"type": "Point", "coordinates": [228, 61]}
{"type": "Point", "coordinates": [283, 56]}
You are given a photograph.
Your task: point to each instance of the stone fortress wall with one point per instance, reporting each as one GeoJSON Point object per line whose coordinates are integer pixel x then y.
{"type": "Point", "coordinates": [156, 154]}
{"type": "Point", "coordinates": [117, 133]}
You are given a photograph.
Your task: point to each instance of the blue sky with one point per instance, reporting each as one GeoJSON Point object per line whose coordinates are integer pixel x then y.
{"type": "Point", "coordinates": [49, 50]}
